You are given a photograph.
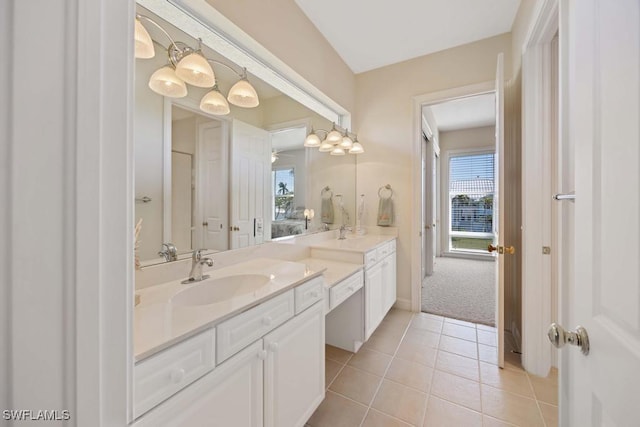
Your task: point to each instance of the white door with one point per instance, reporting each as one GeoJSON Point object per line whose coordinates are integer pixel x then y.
{"type": "Point", "coordinates": [250, 183]}
{"type": "Point", "coordinates": [182, 200]}
{"type": "Point", "coordinates": [600, 69]}
{"type": "Point", "coordinates": [498, 217]}
{"type": "Point", "coordinates": [213, 186]}
{"type": "Point", "coordinates": [294, 369]}
{"type": "Point", "coordinates": [373, 291]}
{"type": "Point", "coordinates": [429, 194]}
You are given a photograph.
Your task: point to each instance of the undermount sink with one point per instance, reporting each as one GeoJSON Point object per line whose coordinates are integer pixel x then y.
{"type": "Point", "coordinates": [212, 291]}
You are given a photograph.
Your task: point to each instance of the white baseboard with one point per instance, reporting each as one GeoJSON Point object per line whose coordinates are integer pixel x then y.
{"type": "Point", "coordinates": [403, 304]}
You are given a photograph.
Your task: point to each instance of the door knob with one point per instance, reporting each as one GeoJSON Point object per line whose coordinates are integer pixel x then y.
{"type": "Point", "coordinates": [502, 249]}
{"type": "Point", "coordinates": [559, 337]}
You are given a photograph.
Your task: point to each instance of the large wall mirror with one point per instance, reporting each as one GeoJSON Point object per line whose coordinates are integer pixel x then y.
{"type": "Point", "coordinates": [205, 181]}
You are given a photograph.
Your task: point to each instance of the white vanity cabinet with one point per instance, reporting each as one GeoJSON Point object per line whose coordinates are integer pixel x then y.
{"type": "Point", "coordinates": [269, 372]}
{"type": "Point", "coordinates": [231, 395]}
{"type": "Point", "coordinates": [380, 284]}
{"type": "Point", "coordinates": [294, 369]}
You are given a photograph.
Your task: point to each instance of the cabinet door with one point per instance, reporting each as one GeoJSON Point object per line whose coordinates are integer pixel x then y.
{"type": "Point", "coordinates": [231, 395]}
{"type": "Point", "coordinates": [389, 282]}
{"type": "Point", "coordinates": [294, 369]}
{"type": "Point", "coordinates": [373, 298]}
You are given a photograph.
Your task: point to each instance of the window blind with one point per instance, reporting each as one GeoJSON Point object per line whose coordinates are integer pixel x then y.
{"type": "Point", "coordinates": [471, 191]}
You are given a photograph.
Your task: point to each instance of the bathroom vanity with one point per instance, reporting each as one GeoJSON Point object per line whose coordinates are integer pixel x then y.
{"type": "Point", "coordinates": [245, 347]}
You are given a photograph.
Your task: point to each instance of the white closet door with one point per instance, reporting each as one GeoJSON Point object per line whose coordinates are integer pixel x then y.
{"type": "Point", "coordinates": [250, 179]}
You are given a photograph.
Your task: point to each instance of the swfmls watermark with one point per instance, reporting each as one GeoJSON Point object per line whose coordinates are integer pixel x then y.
{"type": "Point", "coordinates": [36, 415]}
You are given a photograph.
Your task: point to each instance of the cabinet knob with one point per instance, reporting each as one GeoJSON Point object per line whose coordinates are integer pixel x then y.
{"type": "Point", "coordinates": [262, 354]}
{"type": "Point", "coordinates": [266, 320]}
{"type": "Point", "coordinates": [273, 347]}
{"type": "Point", "coordinates": [177, 375]}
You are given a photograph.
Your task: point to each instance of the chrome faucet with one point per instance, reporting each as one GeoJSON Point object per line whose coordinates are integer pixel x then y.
{"type": "Point", "coordinates": [168, 251]}
{"type": "Point", "coordinates": [196, 267]}
{"type": "Point", "coordinates": [343, 232]}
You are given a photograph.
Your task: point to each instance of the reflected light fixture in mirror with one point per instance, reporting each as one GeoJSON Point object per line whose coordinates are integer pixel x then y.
{"type": "Point", "coordinates": [335, 142]}
{"type": "Point", "coordinates": [191, 66]}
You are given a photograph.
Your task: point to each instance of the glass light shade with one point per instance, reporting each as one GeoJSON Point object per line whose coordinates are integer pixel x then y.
{"type": "Point", "coordinates": [356, 148]}
{"type": "Point", "coordinates": [337, 151]}
{"type": "Point", "coordinates": [312, 140]}
{"type": "Point", "coordinates": [195, 70]}
{"type": "Point", "coordinates": [306, 213]}
{"type": "Point", "coordinates": [144, 44]}
{"type": "Point", "coordinates": [274, 157]}
{"type": "Point", "coordinates": [325, 147]}
{"type": "Point", "coordinates": [214, 102]}
{"type": "Point", "coordinates": [347, 142]}
{"type": "Point", "coordinates": [165, 82]}
{"type": "Point", "coordinates": [243, 94]}
{"type": "Point", "coordinates": [334, 136]}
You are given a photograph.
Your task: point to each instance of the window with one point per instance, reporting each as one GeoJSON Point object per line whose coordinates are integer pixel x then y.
{"type": "Point", "coordinates": [471, 190]}
{"type": "Point", "coordinates": [283, 186]}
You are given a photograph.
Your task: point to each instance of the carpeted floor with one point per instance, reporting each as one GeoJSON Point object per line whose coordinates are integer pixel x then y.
{"type": "Point", "coordinates": [461, 289]}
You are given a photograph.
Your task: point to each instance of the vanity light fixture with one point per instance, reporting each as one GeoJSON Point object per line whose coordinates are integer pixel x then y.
{"type": "Point", "coordinates": [189, 65]}
{"type": "Point", "coordinates": [335, 142]}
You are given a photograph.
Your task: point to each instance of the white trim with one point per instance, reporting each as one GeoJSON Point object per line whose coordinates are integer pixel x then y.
{"type": "Point", "coordinates": [403, 304]}
{"type": "Point", "coordinates": [536, 187]}
{"type": "Point", "coordinates": [469, 255]}
{"type": "Point", "coordinates": [416, 224]}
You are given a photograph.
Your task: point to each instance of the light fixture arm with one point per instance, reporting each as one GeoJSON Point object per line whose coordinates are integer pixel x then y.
{"type": "Point", "coordinates": [146, 18]}
{"type": "Point", "coordinates": [241, 75]}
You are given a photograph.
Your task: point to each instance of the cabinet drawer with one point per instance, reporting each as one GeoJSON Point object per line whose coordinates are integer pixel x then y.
{"type": "Point", "coordinates": [161, 376]}
{"type": "Point", "coordinates": [370, 258]}
{"type": "Point", "coordinates": [345, 289]}
{"type": "Point", "coordinates": [385, 250]}
{"type": "Point", "coordinates": [239, 331]}
{"type": "Point", "coordinates": [308, 294]}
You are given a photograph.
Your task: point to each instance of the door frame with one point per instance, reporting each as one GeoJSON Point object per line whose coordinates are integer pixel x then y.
{"type": "Point", "coordinates": [537, 220]}
{"type": "Point", "coordinates": [416, 223]}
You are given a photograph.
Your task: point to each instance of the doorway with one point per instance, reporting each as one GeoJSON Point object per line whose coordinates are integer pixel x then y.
{"type": "Point", "coordinates": [458, 188]}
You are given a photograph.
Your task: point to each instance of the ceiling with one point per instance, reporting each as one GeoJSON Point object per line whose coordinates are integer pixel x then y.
{"type": "Point", "coordinates": [371, 34]}
{"type": "Point", "coordinates": [464, 113]}
{"type": "Point", "coordinates": [288, 139]}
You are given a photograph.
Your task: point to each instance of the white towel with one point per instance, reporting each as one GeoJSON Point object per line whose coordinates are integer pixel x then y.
{"type": "Point", "coordinates": [385, 212]}
{"type": "Point", "coordinates": [326, 211]}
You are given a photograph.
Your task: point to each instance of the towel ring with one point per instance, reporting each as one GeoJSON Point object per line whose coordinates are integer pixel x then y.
{"type": "Point", "coordinates": [326, 191]}
{"type": "Point", "coordinates": [385, 188]}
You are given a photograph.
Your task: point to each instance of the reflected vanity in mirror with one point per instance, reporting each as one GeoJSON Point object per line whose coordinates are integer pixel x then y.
{"type": "Point", "coordinates": [229, 181]}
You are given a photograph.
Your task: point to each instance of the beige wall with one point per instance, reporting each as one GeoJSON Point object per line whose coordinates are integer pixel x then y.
{"type": "Point", "coordinates": [384, 119]}
{"type": "Point", "coordinates": [282, 28]}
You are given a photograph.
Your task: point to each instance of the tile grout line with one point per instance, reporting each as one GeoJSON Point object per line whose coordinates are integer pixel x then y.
{"type": "Point", "coordinates": [544, 422]}
{"type": "Point", "coordinates": [387, 370]}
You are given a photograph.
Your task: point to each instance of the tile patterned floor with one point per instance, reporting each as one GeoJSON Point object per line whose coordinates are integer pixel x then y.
{"type": "Point", "coordinates": [425, 370]}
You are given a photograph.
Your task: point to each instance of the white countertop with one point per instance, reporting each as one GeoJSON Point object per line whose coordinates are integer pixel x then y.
{"type": "Point", "coordinates": [334, 271]}
{"type": "Point", "coordinates": [159, 324]}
